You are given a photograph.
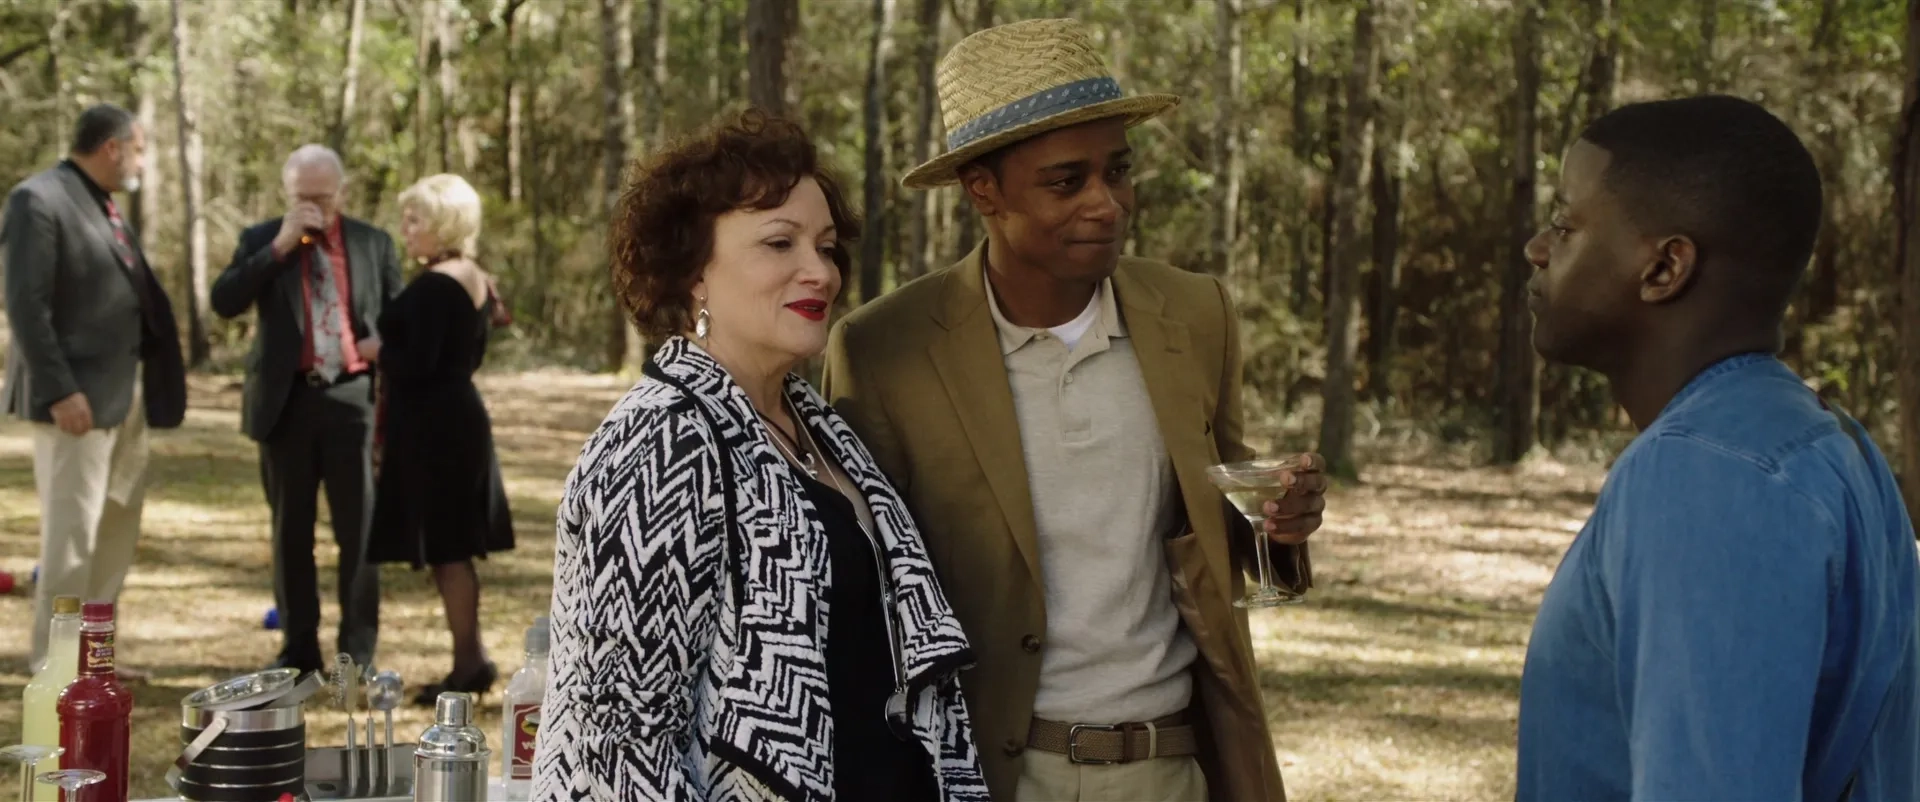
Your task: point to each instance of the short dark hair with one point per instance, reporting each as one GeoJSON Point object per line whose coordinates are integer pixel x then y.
{"type": "Point", "coordinates": [662, 231]}
{"type": "Point", "coordinates": [1725, 172]}
{"type": "Point", "coordinates": [100, 124]}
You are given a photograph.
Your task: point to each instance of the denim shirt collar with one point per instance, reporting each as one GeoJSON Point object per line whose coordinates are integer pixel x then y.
{"type": "Point", "coordinates": [1713, 372]}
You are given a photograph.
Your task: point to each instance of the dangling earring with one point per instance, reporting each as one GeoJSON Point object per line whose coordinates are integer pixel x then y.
{"type": "Point", "coordinates": [702, 322]}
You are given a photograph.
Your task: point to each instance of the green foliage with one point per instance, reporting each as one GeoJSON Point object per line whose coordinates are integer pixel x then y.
{"type": "Point", "coordinates": [266, 77]}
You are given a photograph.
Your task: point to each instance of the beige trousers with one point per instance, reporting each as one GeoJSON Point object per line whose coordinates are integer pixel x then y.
{"type": "Point", "coordinates": [91, 490]}
{"type": "Point", "coordinates": [1049, 777]}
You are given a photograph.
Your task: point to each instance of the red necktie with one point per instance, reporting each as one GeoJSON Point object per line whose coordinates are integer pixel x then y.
{"type": "Point", "coordinates": [141, 277]}
{"type": "Point", "coordinates": [125, 251]}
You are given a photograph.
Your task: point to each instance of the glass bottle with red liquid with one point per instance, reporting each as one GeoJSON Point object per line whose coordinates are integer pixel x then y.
{"type": "Point", "coordinates": [96, 711]}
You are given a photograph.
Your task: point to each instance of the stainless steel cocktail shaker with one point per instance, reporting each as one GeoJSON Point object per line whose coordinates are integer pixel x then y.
{"type": "Point", "coordinates": [450, 764]}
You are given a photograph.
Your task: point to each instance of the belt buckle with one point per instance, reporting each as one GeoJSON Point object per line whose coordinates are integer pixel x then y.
{"type": "Point", "coordinates": [314, 379]}
{"type": "Point", "coordinates": [1073, 743]}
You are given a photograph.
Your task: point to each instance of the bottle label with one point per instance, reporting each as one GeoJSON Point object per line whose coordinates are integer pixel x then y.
{"type": "Point", "coordinates": [96, 652]}
{"type": "Point", "coordinates": [525, 726]}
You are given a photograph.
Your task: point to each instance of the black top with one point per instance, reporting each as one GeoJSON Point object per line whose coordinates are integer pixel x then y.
{"type": "Point", "coordinates": [100, 195]}
{"type": "Point", "coordinates": [439, 497]}
{"type": "Point", "coordinates": [869, 762]}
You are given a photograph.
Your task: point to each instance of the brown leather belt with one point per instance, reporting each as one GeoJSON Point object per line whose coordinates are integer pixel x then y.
{"type": "Point", "coordinates": [1114, 743]}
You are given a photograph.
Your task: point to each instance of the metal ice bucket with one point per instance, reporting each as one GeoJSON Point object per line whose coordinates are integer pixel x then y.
{"type": "Point", "coordinates": [233, 754]}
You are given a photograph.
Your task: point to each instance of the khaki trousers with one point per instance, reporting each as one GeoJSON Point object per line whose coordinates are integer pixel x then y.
{"type": "Point", "coordinates": [1049, 777]}
{"type": "Point", "coordinates": [91, 490]}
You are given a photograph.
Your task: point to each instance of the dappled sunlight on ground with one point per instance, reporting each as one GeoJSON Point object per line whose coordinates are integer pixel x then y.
{"type": "Point", "coordinates": [1399, 677]}
{"type": "Point", "coordinates": [202, 583]}
{"type": "Point", "coordinates": [1397, 680]}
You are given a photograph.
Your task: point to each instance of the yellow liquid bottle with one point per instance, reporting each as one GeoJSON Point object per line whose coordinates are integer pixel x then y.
{"type": "Point", "coordinates": [40, 720]}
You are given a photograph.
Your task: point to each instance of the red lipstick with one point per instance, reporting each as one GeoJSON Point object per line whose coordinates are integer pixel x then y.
{"type": "Point", "coordinates": [815, 310]}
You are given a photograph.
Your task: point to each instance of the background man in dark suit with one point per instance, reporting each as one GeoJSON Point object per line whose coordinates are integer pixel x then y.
{"type": "Point", "coordinates": [95, 360]}
{"type": "Point", "coordinates": [319, 280]}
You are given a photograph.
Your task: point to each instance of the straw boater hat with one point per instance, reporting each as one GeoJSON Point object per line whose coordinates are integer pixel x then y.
{"type": "Point", "coordinates": [1020, 80]}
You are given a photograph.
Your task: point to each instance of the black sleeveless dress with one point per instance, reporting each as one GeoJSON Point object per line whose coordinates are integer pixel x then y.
{"type": "Point", "coordinates": [869, 763]}
{"type": "Point", "coordinates": [439, 498]}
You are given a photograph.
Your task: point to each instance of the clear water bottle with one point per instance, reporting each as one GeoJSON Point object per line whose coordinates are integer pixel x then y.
{"type": "Point", "coordinates": [520, 718]}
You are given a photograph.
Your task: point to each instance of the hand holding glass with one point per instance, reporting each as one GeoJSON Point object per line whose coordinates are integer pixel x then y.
{"type": "Point", "coordinates": [1249, 486]}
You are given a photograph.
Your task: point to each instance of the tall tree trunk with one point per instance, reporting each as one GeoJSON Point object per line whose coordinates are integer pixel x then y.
{"type": "Point", "coordinates": [196, 227]}
{"type": "Point", "coordinates": [1705, 72]}
{"type": "Point", "coordinates": [966, 222]}
{"type": "Point", "coordinates": [615, 60]}
{"type": "Point", "coordinates": [1226, 137]}
{"type": "Point", "coordinates": [655, 74]}
{"type": "Point", "coordinates": [140, 206]}
{"type": "Point", "coordinates": [1301, 140]}
{"type": "Point", "coordinates": [769, 34]}
{"type": "Point", "coordinates": [712, 31]}
{"type": "Point", "coordinates": [651, 129]}
{"type": "Point", "coordinates": [458, 146]}
{"type": "Point", "coordinates": [731, 63]}
{"type": "Point", "coordinates": [423, 46]}
{"type": "Point", "coordinates": [543, 268]}
{"type": "Point", "coordinates": [1386, 188]}
{"type": "Point", "coordinates": [1906, 182]}
{"type": "Point", "coordinates": [1519, 377]}
{"type": "Point", "coordinates": [1823, 284]}
{"type": "Point", "coordinates": [1603, 64]}
{"type": "Point", "coordinates": [516, 90]}
{"type": "Point", "coordinates": [873, 246]}
{"type": "Point", "coordinates": [58, 121]}
{"type": "Point", "coordinates": [926, 55]}
{"type": "Point", "coordinates": [1338, 393]}
{"type": "Point", "coordinates": [1329, 210]}
{"type": "Point", "coordinates": [350, 78]}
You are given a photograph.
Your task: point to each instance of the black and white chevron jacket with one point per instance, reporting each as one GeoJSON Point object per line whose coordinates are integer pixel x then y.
{"type": "Point", "coordinates": [689, 607]}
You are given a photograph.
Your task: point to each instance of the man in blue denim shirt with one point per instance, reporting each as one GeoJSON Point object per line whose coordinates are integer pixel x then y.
{"type": "Point", "coordinates": [1737, 619]}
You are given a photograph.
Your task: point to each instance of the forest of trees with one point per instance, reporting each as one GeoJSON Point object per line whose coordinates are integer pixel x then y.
{"type": "Point", "coordinates": [1363, 172]}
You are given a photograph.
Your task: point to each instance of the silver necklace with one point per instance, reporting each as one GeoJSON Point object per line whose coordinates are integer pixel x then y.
{"type": "Point", "coordinates": [806, 463]}
{"type": "Point", "coordinates": [780, 438]}
{"type": "Point", "coordinates": [814, 448]}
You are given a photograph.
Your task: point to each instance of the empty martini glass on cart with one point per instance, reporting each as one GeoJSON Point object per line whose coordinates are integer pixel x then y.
{"type": "Point", "coordinates": [28, 756]}
{"type": "Point", "coordinates": [72, 780]}
{"type": "Point", "coordinates": [1249, 485]}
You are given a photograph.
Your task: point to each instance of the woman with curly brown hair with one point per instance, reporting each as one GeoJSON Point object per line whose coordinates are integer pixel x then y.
{"type": "Point", "coordinates": [742, 607]}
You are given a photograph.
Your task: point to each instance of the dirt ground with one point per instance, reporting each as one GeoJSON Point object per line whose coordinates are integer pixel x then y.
{"type": "Point", "coordinates": [1397, 681]}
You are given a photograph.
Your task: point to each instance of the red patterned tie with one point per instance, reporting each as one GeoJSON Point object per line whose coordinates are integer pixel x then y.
{"type": "Point", "coordinates": [137, 270]}
{"type": "Point", "coordinates": [125, 251]}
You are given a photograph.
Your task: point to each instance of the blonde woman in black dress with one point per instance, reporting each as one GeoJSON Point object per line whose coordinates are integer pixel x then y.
{"type": "Point", "coordinates": [439, 501]}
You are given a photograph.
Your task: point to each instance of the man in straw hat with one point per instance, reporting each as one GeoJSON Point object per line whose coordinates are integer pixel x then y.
{"type": "Point", "coordinates": [1048, 408]}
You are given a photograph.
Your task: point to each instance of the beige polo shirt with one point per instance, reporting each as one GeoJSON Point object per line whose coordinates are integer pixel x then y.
{"type": "Point", "coordinates": [1104, 501]}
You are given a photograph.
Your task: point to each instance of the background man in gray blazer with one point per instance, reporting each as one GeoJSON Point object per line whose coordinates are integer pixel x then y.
{"type": "Point", "coordinates": [318, 280]}
{"type": "Point", "coordinates": [95, 359]}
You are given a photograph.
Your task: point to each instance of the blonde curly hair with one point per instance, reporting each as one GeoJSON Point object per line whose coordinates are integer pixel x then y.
{"type": "Point", "coordinates": [450, 209]}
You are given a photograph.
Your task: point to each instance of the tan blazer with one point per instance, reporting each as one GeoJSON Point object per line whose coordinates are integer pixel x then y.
{"type": "Point", "coordinates": [918, 375]}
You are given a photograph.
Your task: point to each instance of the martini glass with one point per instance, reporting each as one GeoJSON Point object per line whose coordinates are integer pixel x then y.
{"type": "Point", "coordinates": [72, 780]}
{"type": "Point", "coordinates": [1249, 486]}
{"type": "Point", "coordinates": [28, 755]}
